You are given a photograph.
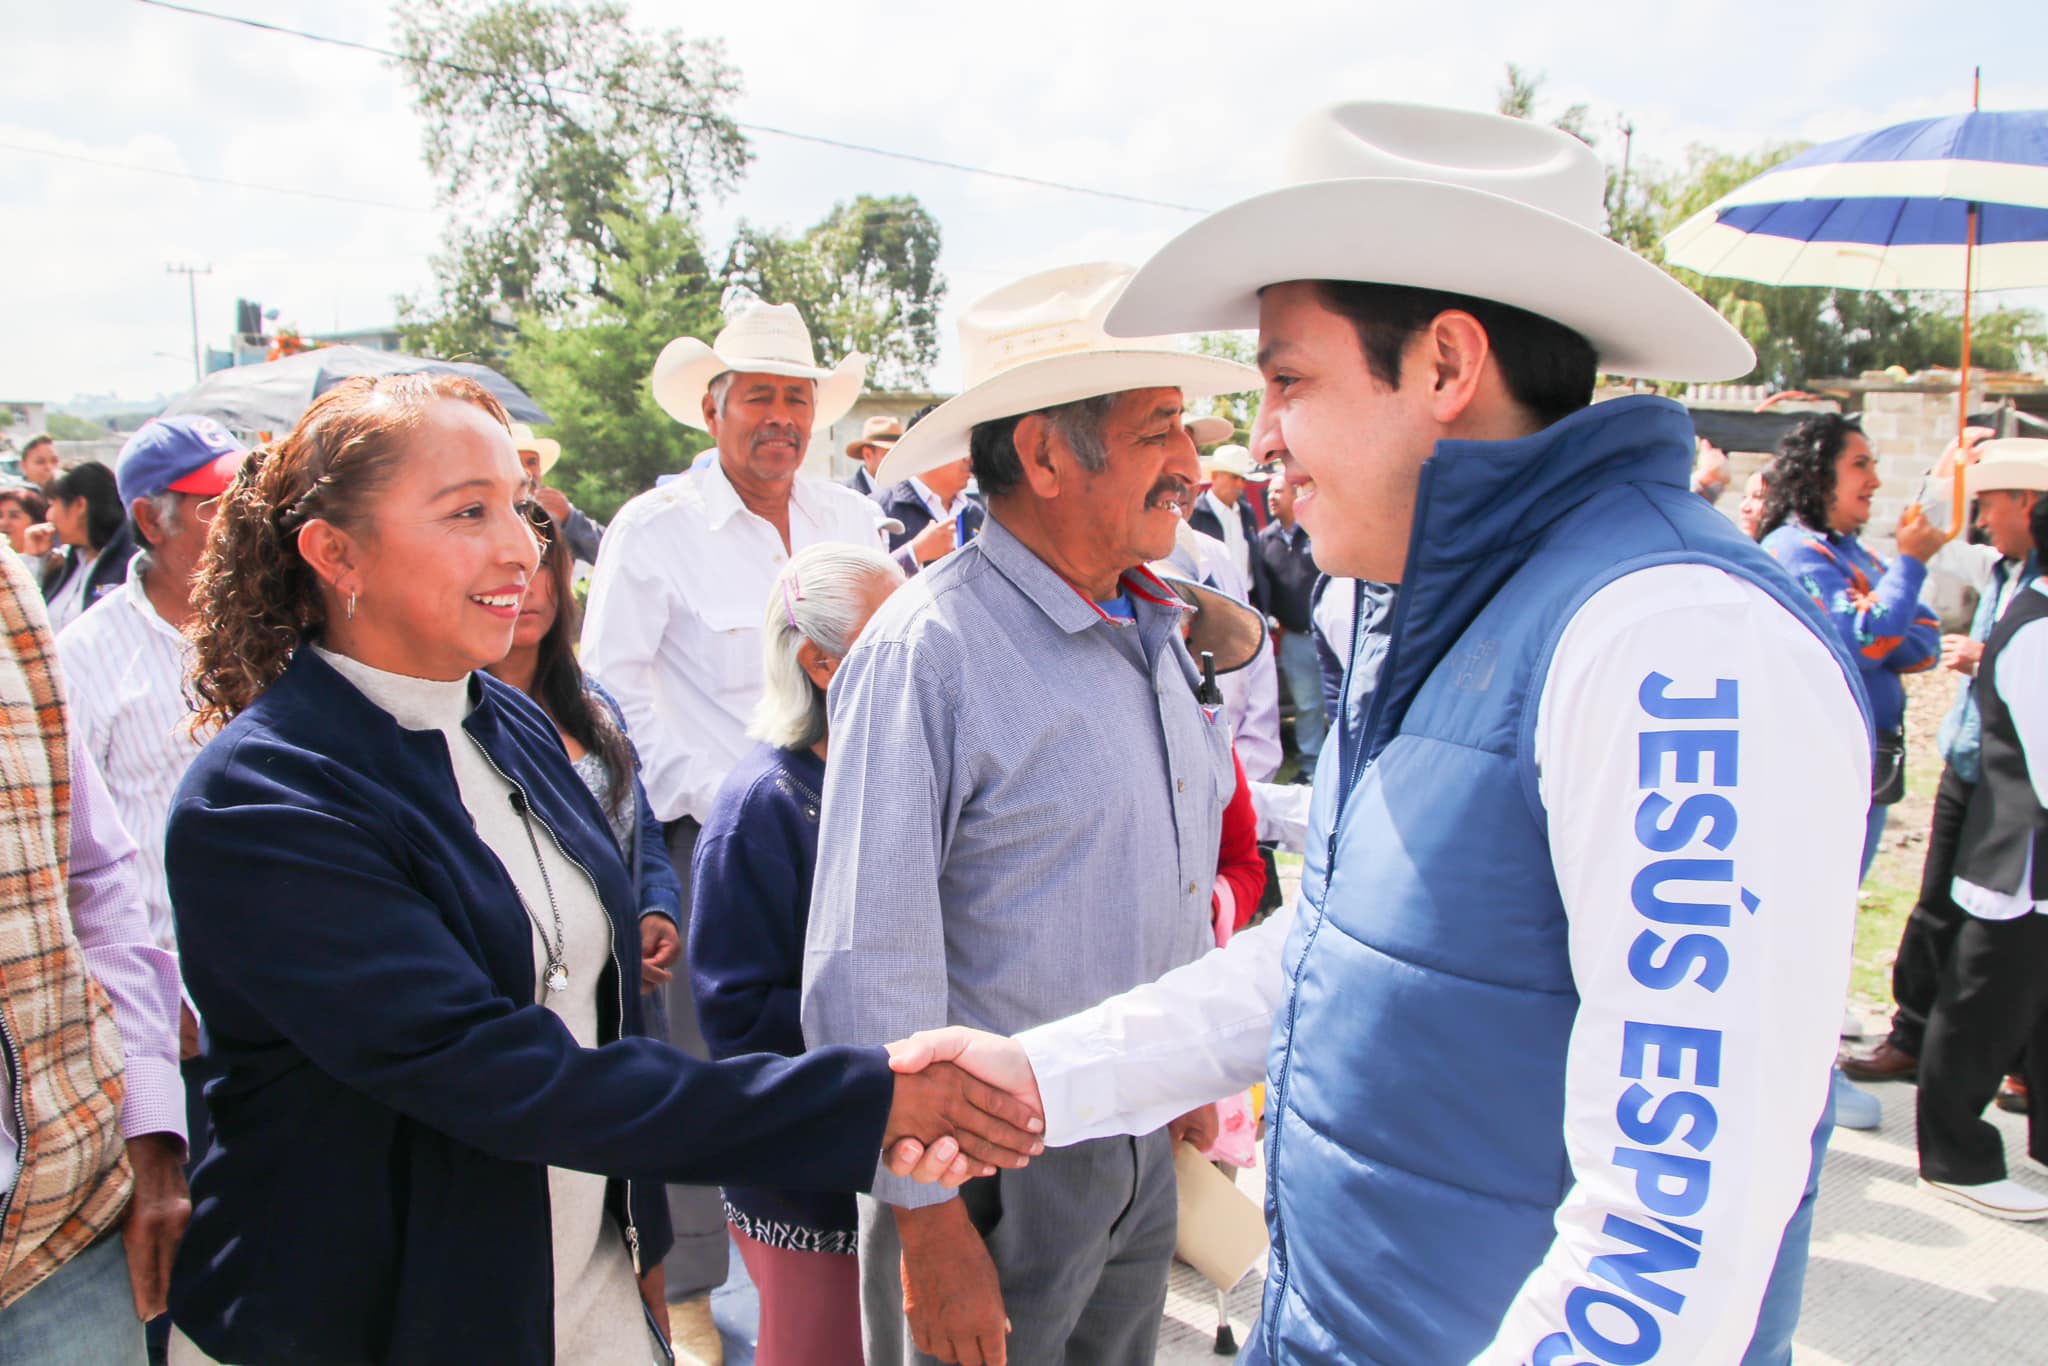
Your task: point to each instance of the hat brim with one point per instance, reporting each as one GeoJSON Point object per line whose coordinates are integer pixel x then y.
{"type": "Point", "coordinates": [941, 436]}
{"type": "Point", "coordinates": [1640, 320]}
{"type": "Point", "coordinates": [548, 449]}
{"type": "Point", "coordinates": [211, 479]}
{"type": "Point", "coordinates": [859, 442]}
{"type": "Point", "coordinates": [1999, 476]}
{"type": "Point", "coordinates": [686, 366]}
{"type": "Point", "coordinates": [1210, 431]}
{"type": "Point", "coordinates": [1231, 633]}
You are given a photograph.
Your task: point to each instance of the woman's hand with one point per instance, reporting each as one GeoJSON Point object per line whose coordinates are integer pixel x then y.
{"type": "Point", "coordinates": [660, 945]}
{"type": "Point", "coordinates": [38, 539]}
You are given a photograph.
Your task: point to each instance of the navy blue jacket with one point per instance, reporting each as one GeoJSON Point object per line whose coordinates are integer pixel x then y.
{"type": "Point", "coordinates": [750, 901]}
{"type": "Point", "coordinates": [390, 1095]}
{"type": "Point", "coordinates": [107, 575]}
{"type": "Point", "coordinates": [901, 502]}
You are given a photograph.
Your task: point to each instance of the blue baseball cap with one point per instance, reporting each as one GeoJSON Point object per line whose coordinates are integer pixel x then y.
{"type": "Point", "coordinates": [186, 454]}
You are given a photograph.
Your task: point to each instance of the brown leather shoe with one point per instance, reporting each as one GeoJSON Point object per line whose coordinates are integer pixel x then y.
{"type": "Point", "coordinates": [2012, 1097]}
{"type": "Point", "coordinates": [1882, 1063]}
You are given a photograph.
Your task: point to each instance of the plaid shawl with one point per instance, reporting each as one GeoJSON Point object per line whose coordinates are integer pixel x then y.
{"type": "Point", "coordinates": [58, 1025]}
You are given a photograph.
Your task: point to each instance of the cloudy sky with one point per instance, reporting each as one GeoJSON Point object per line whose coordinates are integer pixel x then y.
{"type": "Point", "coordinates": [1188, 107]}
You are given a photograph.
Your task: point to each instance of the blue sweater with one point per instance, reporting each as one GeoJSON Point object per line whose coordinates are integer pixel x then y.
{"type": "Point", "coordinates": [391, 1097]}
{"type": "Point", "coordinates": [750, 899]}
{"type": "Point", "coordinates": [1876, 610]}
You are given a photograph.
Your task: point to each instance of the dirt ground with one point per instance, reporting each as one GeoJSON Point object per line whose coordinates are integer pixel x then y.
{"type": "Point", "coordinates": [1894, 881]}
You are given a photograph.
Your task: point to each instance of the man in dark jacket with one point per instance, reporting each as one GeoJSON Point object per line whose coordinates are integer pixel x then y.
{"type": "Point", "coordinates": [936, 511]}
{"type": "Point", "coordinates": [1282, 551]}
{"type": "Point", "coordinates": [1225, 512]}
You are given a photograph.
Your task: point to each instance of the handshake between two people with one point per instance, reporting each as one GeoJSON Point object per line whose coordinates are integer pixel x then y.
{"type": "Point", "coordinates": [966, 1103]}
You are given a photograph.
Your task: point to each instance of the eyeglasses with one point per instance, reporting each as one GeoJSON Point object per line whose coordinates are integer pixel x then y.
{"type": "Point", "coordinates": [542, 526]}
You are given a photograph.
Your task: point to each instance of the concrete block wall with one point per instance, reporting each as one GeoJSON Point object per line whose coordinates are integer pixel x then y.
{"type": "Point", "coordinates": [1909, 431]}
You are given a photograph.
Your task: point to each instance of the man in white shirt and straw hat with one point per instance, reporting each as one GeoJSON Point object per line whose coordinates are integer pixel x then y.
{"type": "Point", "coordinates": [1547, 1035]}
{"type": "Point", "coordinates": [673, 626]}
{"type": "Point", "coordinates": [1022, 814]}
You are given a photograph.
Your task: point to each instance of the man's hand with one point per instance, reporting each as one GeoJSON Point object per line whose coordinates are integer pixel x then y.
{"type": "Point", "coordinates": [935, 542]}
{"type": "Point", "coordinates": [950, 1292]}
{"type": "Point", "coordinates": [1964, 450]}
{"type": "Point", "coordinates": [1199, 1127]}
{"type": "Point", "coordinates": [1961, 654]}
{"type": "Point", "coordinates": [999, 1061]}
{"type": "Point", "coordinates": [654, 1294]}
{"type": "Point", "coordinates": [1918, 538]}
{"type": "Point", "coordinates": [936, 1099]}
{"type": "Point", "coordinates": [188, 1033]}
{"type": "Point", "coordinates": [156, 1219]}
{"type": "Point", "coordinates": [660, 945]}
{"type": "Point", "coordinates": [555, 501]}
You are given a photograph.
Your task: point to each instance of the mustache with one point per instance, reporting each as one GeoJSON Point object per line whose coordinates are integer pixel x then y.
{"type": "Point", "coordinates": [777, 431]}
{"type": "Point", "coordinates": [1173, 488]}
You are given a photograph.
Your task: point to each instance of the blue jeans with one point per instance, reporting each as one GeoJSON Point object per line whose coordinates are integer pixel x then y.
{"type": "Point", "coordinates": [1873, 834]}
{"type": "Point", "coordinates": [83, 1315]}
{"type": "Point", "coordinates": [1305, 685]}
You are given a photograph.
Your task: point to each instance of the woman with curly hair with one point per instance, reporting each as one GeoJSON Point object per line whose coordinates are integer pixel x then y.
{"type": "Point", "coordinates": [415, 944]}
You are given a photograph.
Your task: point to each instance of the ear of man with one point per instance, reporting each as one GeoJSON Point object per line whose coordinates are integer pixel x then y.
{"type": "Point", "coordinates": [1039, 450]}
{"type": "Point", "coordinates": [144, 514]}
{"type": "Point", "coordinates": [1467, 394]}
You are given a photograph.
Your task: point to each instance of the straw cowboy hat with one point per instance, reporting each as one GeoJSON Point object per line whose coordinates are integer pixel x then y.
{"type": "Point", "coordinates": [876, 431]}
{"type": "Point", "coordinates": [1207, 431]}
{"type": "Point", "coordinates": [547, 448]}
{"type": "Point", "coordinates": [1476, 204]}
{"type": "Point", "coordinates": [763, 339]}
{"type": "Point", "coordinates": [1234, 460]}
{"type": "Point", "coordinates": [1231, 632]}
{"type": "Point", "coordinates": [2016, 462]}
{"type": "Point", "coordinates": [1039, 342]}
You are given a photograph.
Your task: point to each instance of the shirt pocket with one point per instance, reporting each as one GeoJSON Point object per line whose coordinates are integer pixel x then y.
{"type": "Point", "coordinates": [729, 643]}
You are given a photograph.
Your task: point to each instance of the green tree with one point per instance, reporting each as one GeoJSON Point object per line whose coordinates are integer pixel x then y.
{"type": "Point", "coordinates": [65, 427]}
{"type": "Point", "coordinates": [1242, 409]}
{"type": "Point", "coordinates": [588, 367]}
{"type": "Point", "coordinates": [548, 123]}
{"type": "Point", "coordinates": [865, 278]}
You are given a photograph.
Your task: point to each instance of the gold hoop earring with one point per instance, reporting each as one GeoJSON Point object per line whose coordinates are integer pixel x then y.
{"type": "Point", "coordinates": [351, 606]}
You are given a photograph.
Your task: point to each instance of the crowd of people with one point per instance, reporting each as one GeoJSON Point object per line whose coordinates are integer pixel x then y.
{"type": "Point", "coordinates": [402, 963]}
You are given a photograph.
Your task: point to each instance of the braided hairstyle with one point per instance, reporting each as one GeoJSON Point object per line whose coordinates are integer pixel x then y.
{"type": "Point", "coordinates": [1802, 482]}
{"type": "Point", "coordinates": [255, 599]}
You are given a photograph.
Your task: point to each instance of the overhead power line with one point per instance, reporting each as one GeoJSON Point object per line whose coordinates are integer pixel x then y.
{"type": "Point", "coordinates": [653, 107]}
{"type": "Point", "coordinates": [112, 165]}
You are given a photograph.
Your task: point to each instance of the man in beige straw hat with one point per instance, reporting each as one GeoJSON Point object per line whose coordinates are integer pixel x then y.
{"type": "Point", "coordinates": [877, 436]}
{"type": "Point", "coordinates": [583, 533]}
{"type": "Point", "coordinates": [1547, 1035]}
{"type": "Point", "coordinates": [1022, 814]}
{"type": "Point", "coordinates": [673, 628]}
{"type": "Point", "coordinates": [2006, 478]}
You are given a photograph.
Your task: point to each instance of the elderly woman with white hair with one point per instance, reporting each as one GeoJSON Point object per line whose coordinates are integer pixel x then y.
{"type": "Point", "coordinates": [751, 898]}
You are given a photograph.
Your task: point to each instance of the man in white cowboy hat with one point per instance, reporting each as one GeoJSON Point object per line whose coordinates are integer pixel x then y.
{"type": "Point", "coordinates": [2006, 478]}
{"type": "Point", "coordinates": [673, 626]}
{"type": "Point", "coordinates": [1547, 1035]}
{"type": "Point", "coordinates": [877, 435]}
{"type": "Point", "coordinates": [582, 533]}
{"type": "Point", "coordinates": [1223, 510]}
{"type": "Point", "coordinates": [1022, 814]}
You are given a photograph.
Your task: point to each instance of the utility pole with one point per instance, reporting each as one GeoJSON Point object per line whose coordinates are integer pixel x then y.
{"type": "Point", "coordinates": [192, 274]}
{"type": "Point", "coordinates": [1628, 144]}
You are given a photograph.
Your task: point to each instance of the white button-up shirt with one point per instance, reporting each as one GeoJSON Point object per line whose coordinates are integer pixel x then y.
{"type": "Point", "coordinates": [2022, 685]}
{"type": "Point", "coordinates": [1232, 522]}
{"type": "Point", "coordinates": [124, 676]}
{"type": "Point", "coordinates": [673, 626]}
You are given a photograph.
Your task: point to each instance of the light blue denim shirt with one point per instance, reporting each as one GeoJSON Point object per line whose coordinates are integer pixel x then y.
{"type": "Point", "coordinates": [1019, 819]}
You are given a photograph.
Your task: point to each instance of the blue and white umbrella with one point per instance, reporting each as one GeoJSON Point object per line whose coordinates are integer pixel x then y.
{"type": "Point", "coordinates": [1889, 210]}
{"type": "Point", "coordinates": [1958, 203]}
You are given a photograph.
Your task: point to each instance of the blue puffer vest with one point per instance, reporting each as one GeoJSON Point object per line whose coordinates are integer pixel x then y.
{"type": "Point", "coordinates": [1416, 1155]}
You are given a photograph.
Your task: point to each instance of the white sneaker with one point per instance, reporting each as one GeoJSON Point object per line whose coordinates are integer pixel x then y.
{"type": "Point", "coordinates": [1999, 1199]}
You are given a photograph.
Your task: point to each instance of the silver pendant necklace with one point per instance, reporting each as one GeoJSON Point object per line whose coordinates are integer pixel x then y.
{"type": "Point", "coordinates": [555, 976]}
